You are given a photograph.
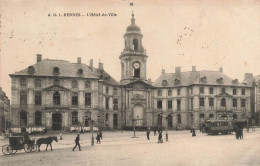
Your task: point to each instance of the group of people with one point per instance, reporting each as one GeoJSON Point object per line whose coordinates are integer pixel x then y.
{"type": "Point", "coordinates": [239, 132]}
{"type": "Point", "coordinates": [99, 136]}
{"type": "Point", "coordinates": [160, 139]}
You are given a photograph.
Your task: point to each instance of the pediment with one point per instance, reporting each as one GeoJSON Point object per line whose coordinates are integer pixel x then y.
{"type": "Point", "coordinates": [56, 88]}
{"type": "Point", "coordinates": [136, 85]}
{"type": "Point", "coordinates": [224, 95]}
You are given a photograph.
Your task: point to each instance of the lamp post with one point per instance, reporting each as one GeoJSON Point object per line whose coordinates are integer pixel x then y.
{"type": "Point", "coordinates": [167, 126]}
{"type": "Point", "coordinates": [134, 128]}
{"type": "Point", "coordinates": [92, 137]}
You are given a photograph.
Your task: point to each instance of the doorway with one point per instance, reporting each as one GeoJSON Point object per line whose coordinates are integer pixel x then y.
{"type": "Point", "coordinates": [56, 121]}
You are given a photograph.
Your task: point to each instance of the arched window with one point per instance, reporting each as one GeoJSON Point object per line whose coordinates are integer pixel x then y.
{"type": "Point", "coordinates": [74, 118]}
{"type": "Point", "coordinates": [223, 102]}
{"type": "Point", "coordinates": [37, 83]}
{"type": "Point", "coordinates": [202, 116]}
{"type": "Point", "coordinates": [56, 71]}
{"type": "Point", "coordinates": [115, 104]}
{"type": "Point", "coordinates": [179, 118]}
{"type": "Point", "coordinates": [23, 119]}
{"type": "Point", "coordinates": [38, 118]}
{"type": "Point", "coordinates": [223, 90]}
{"type": "Point", "coordinates": [164, 83]}
{"type": "Point", "coordinates": [135, 44]}
{"type": "Point", "coordinates": [74, 84]}
{"type": "Point", "coordinates": [56, 98]}
{"type": "Point", "coordinates": [80, 72]}
{"type": "Point", "coordinates": [31, 70]}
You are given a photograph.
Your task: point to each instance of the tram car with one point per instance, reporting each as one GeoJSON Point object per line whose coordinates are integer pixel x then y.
{"type": "Point", "coordinates": [219, 126]}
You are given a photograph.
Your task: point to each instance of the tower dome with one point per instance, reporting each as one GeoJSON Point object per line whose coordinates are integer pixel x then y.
{"type": "Point", "coordinates": [133, 26]}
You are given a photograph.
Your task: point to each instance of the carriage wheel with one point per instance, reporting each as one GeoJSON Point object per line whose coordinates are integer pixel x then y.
{"type": "Point", "coordinates": [27, 148]}
{"type": "Point", "coordinates": [34, 147]}
{"type": "Point", "coordinates": [6, 149]}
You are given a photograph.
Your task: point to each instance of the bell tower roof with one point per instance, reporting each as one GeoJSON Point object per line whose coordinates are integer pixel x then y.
{"type": "Point", "coordinates": [133, 26]}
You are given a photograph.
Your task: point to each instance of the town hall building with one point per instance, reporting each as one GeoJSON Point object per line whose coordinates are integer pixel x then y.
{"type": "Point", "coordinates": [61, 95]}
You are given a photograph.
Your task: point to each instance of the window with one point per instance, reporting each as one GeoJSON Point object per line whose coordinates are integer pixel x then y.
{"type": "Point", "coordinates": [169, 92]}
{"type": "Point", "coordinates": [169, 119]}
{"type": "Point", "coordinates": [179, 92]}
{"type": "Point", "coordinates": [178, 104]}
{"type": "Point", "coordinates": [107, 103]}
{"type": "Point", "coordinates": [159, 104]}
{"type": "Point", "coordinates": [23, 82]}
{"type": "Point", "coordinates": [191, 103]}
{"type": "Point", "coordinates": [74, 84]}
{"type": "Point", "coordinates": [56, 98]}
{"type": "Point", "coordinates": [115, 104]}
{"type": "Point", "coordinates": [179, 118]}
{"type": "Point", "coordinates": [211, 115]}
{"type": "Point", "coordinates": [223, 102]}
{"type": "Point", "coordinates": [31, 70]}
{"type": "Point", "coordinates": [159, 92]}
{"type": "Point", "coordinates": [38, 98]}
{"type": "Point", "coordinates": [243, 92]}
{"type": "Point", "coordinates": [234, 102]}
{"type": "Point", "coordinates": [234, 91]}
{"type": "Point", "coordinates": [234, 116]}
{"type": "Point", "coordinates": [191, 119]}
{"type": "Point", "coordinates": [74, 118]}
{"type": "Point", "coordinates": [169, 104]}
{"type": "Point", "coordinates": [115, 91]}
{"type": "Point", "coordinates": [202, 90]}
{"type": "Point", "coordinates": [88, 99]}
{"type": "Point", "coordinates": [211, 102]}
{"type": "Point", "coordinates": [243, 103]}
{"type": "Point", "coordinates": [23, 98]}
{"type": "Point", "coordinates": [135, 44]}
{"type": "Point", "coordinates": [223, 90]}
{"type": "Point", "coordinates": [107, 90]}
{"type": "Point", "coordinates": [191, 90]}
{"type": "Point", "coordinates": [23, 119]}
{"type": "Point", "coordinates": [159, 120]}
{"type": "Point", "coordinates": [38, 118]}
{"type": "Point", "coordinates": [106, 120]}
{"type": "Point", "coordinates": [177, 82]}
{"type": "Point", "coordinates": [74, 99]}
{"type": "Point", "coordinates": [80, 72]}
{"type": "Point", "coordinates": [211, 90]}
{"type": "Point", "coordinates": [37, 83]}
{"type": "Point", "coordinates": [202, 116]}
{"type": "Point", "coordinates": [88, 85]}
{"type": "Point", "coordinates": [202, 102]}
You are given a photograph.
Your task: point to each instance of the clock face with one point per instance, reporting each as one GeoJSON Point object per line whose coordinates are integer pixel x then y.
{"type": "Point", "coordinates": [136, 65]}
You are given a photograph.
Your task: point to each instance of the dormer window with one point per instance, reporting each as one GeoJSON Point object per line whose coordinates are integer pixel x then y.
{"type": "Point", "coordinates": [56, 71]}
{"type": "Point", "coordinates": [235, 81]}
{"type": "Point", "coordinates": [176, 82]}
{"type": "Point", "coordinates": [31, 70]}
{"type": "Point", "coordinates": [220, 80]}
{"type": "Point", "coordinates": [164, 83]}
{"type": "Point", "coordinates": [80, 72]}
{"type": "Point", "coordinates": [107, 78]}
{"type": "Point", "coordinates": [203, 80]}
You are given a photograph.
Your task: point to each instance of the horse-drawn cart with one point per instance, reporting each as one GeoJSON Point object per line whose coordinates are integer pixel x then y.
{"type": "Point", "coordinates": [18, 143]}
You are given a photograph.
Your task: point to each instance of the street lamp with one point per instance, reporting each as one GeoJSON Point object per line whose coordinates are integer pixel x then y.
{"type": "Point", "coordinates": [134, 127]}
{"type": "Point", "coordinates": [92, 138]}
{"type": "Point", "coordinates": [166, 126]}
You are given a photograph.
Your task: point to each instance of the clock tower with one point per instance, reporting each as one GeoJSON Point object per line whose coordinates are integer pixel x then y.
{"type": "Point", "coordinates": [133, 58]}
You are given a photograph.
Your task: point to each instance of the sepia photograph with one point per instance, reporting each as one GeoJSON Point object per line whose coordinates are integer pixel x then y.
{"type": "Point", "coordinates": [130, 82]}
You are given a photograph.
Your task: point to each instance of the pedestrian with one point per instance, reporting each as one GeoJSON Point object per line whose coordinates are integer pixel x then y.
{"type": "Point", "coordinates": [98, 137]}
{"type": "Point", "coordinates": [61, 136]}
{"type": "Point", "coordinates": [154, 130]}
{"type": "Point", "coordinates": [77, 143]}
{"type": "Point", "coordinates": [160, 140]}
{"type": "Point", "coordinates": [193, 132]}
{"type": "Point", "coordinates": [148, 133]}
{"type": "Point", "coordinates": [81, 131]}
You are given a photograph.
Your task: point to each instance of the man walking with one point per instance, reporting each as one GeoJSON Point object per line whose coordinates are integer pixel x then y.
{"type": "Point", "coordinates": [154, 131]}
{"type": "Point", "coordinates": [77, 143]}
{"type": "Point", "coordinates": [148, 133]}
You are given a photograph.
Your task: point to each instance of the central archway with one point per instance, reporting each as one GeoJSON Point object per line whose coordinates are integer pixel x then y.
{"type": "Point", "coordinates": [138, 115]}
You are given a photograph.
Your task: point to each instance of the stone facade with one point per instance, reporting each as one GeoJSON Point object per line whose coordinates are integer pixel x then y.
{"type": "Point", "coordinates": [4, 112]}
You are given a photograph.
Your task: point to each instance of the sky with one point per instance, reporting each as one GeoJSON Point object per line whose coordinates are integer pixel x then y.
{"type": "Point", "coordinates": [207, 34]}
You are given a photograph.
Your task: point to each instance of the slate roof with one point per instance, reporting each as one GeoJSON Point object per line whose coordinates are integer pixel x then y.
{"type": "Point", "coordinates": [195, 77]}
{"type": "Point", "coordinates": [67, 69]}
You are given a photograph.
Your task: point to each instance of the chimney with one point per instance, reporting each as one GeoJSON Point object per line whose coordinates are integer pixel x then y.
{"type": "Point", "coordinates": [221, 70]}
{"type": "Point", "coordinates": [163, 71]}
{"type": "Point", "coordinates": [91, 64]}
{"type": "Point", "coordinates": [193, 68]}
{"type": "Point", "coordinates": [39, 57]}
{"type": "Point", "coordinates": [178, 70]}
{"type": "Point", "coordinates": [100, 65]}
{"type": "Point", "coordinates": [248, 75]}
{"type": "Point", "coordinates": [79, 60]}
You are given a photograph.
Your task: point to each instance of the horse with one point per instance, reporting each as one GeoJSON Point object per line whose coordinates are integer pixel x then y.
{"type": "Point", "coordinates": [47, 141]}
